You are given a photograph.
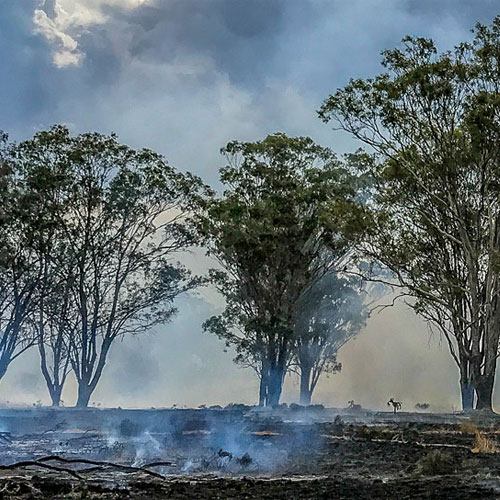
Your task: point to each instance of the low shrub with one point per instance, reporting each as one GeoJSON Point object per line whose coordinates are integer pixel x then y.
{"type": "Point", "coordinates": [436, 463]}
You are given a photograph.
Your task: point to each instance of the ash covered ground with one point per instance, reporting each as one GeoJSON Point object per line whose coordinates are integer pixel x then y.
{"type": "Point", "coordinates": [243, 453]}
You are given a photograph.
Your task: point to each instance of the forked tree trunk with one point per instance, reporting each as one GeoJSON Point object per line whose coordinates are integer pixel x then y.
{"type": "Point", "coordinates": [55, 395]}
{"type": "Point", "coordinates": [88, 382]}
{"type": "Point", "coordinates": [484, 365]}
{"type": "Point", "coordinates": [55, 383]}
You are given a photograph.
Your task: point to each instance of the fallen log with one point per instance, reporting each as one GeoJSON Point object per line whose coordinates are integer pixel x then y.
{"type": "Point", "coordinates": [112, 465]}
{"type": "Point", "coordinates": [36, 463]}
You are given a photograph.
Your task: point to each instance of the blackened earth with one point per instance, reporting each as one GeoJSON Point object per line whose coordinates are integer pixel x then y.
{"type": "Point", "coordinates": [237, 453]}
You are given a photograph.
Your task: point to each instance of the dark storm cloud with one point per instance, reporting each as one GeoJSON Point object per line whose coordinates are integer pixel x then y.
{"type": "Point", "coordinates": [240, 36]}
{"type": "Point", "coordinates": [311, 44]}
{"type": "Point", "coordinates": [251, 40]}
{"type": "Point", "coordinates": [262, 47]}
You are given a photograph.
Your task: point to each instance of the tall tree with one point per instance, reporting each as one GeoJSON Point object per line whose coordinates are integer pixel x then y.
{"type": "Point", "coordinates": [20, 266]}
{"type": "Point", "coordinates": [46, 177]}
{"type": "Point", "coordinates": [328, 315]}
{"type": "Point", "coordinates": [286, 201]}
{"type": "Point", "coordinates": [433, 122]}
{"type": "Point", "coordinates": [122, 217]}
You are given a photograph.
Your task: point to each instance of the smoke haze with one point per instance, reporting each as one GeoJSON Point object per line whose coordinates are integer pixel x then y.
{"type": "Point", "coordinates": [184, 77]}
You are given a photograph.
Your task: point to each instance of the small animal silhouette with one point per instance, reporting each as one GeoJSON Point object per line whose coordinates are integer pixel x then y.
{"type": "Point", "coordinates": [396, 405]}
{"type": "Point", "coordinates": [352, 405]}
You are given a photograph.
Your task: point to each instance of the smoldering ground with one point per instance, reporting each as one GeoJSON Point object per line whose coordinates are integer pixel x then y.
{"type": "Point", "coordinates": [227, 441]}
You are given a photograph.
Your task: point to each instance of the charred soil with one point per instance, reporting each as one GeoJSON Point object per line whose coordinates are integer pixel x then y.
{"type": "Point", "coordinates": [202, 454]}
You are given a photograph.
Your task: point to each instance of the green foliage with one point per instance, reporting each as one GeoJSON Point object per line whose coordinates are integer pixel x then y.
{"type": "Point", "coordinates": [20, 266]}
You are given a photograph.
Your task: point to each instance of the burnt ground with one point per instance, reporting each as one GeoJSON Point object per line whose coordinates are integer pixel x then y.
{"type": "Point", "coordinates": [237, 453]}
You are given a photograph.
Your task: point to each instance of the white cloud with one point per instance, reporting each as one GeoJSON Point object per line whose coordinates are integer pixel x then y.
{"type": "Point", "coordinates": [63, 58]}
{"type": "Point", "coordinates": [69, 20]}
{"type": "Point", "coordinates": [65, 48]}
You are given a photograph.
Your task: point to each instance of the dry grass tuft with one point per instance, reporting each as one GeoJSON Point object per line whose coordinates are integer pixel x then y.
{"type": "Point", "coordinates": [469, 427]}
{"type": "Point", "coordinates": [484, 444]}
{"type": "Point", "coordinates": [370, 432]}
{"type": "Point", "coordinates": [436, 463]}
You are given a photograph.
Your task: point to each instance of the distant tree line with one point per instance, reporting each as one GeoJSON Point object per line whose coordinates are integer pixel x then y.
{"type": "Point", "coordinates": [91, 231]}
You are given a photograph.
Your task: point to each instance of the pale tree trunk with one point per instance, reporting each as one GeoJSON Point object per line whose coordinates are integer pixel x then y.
{"type": "Point", "coordinates": [485, 364]}
{"type": "Point", "coordinates": [262, 392]}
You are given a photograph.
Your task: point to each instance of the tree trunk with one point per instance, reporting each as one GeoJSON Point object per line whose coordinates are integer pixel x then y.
{"type": "Point", "coordinates": [54, 387]}
{"type": "Point", "coordinates": [3, 368]}
{"type": "Point", "coordinates": [467, 391]}
{"type": "Point", "coordinates": [484, 392]}
{"type": "Point", "coordinates": [275, 385]}
{"type": "Point", "coordinates": [263, 389]}
{"type": "Point", "coordinates": [55, 395]}
{"type": "Point", "coordinates": [88, 382]}
{"type": "Point", "coordinates": [305, 384]}
{"type": "Point", "coordinates": [84, 393]}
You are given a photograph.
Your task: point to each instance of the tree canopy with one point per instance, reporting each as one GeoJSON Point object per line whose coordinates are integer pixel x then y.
{"type": "Point", "coordinates": [432, 126]}
{"type": "Point", "coordinates": [110, 223]}
{"type": "Point", "coordinates": [287, 216]}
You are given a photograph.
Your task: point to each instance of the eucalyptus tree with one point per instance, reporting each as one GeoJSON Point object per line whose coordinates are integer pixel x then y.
{"type": "Point", "coordinates": [45, 175]}
{"type": "Point", "coordinates": [286, 201]}
{"type": "Point", "coordinates": [328, 315]}
{"type": "Point", "coordinates": [432, 121]}
{"type": "Point", "coordinates": [20, 266]}
{"type": "Point", "coordinates": [121, 217]}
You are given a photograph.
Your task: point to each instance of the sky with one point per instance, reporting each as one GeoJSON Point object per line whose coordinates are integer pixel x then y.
{"type": "Point", "coordinates": [184, 77]}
